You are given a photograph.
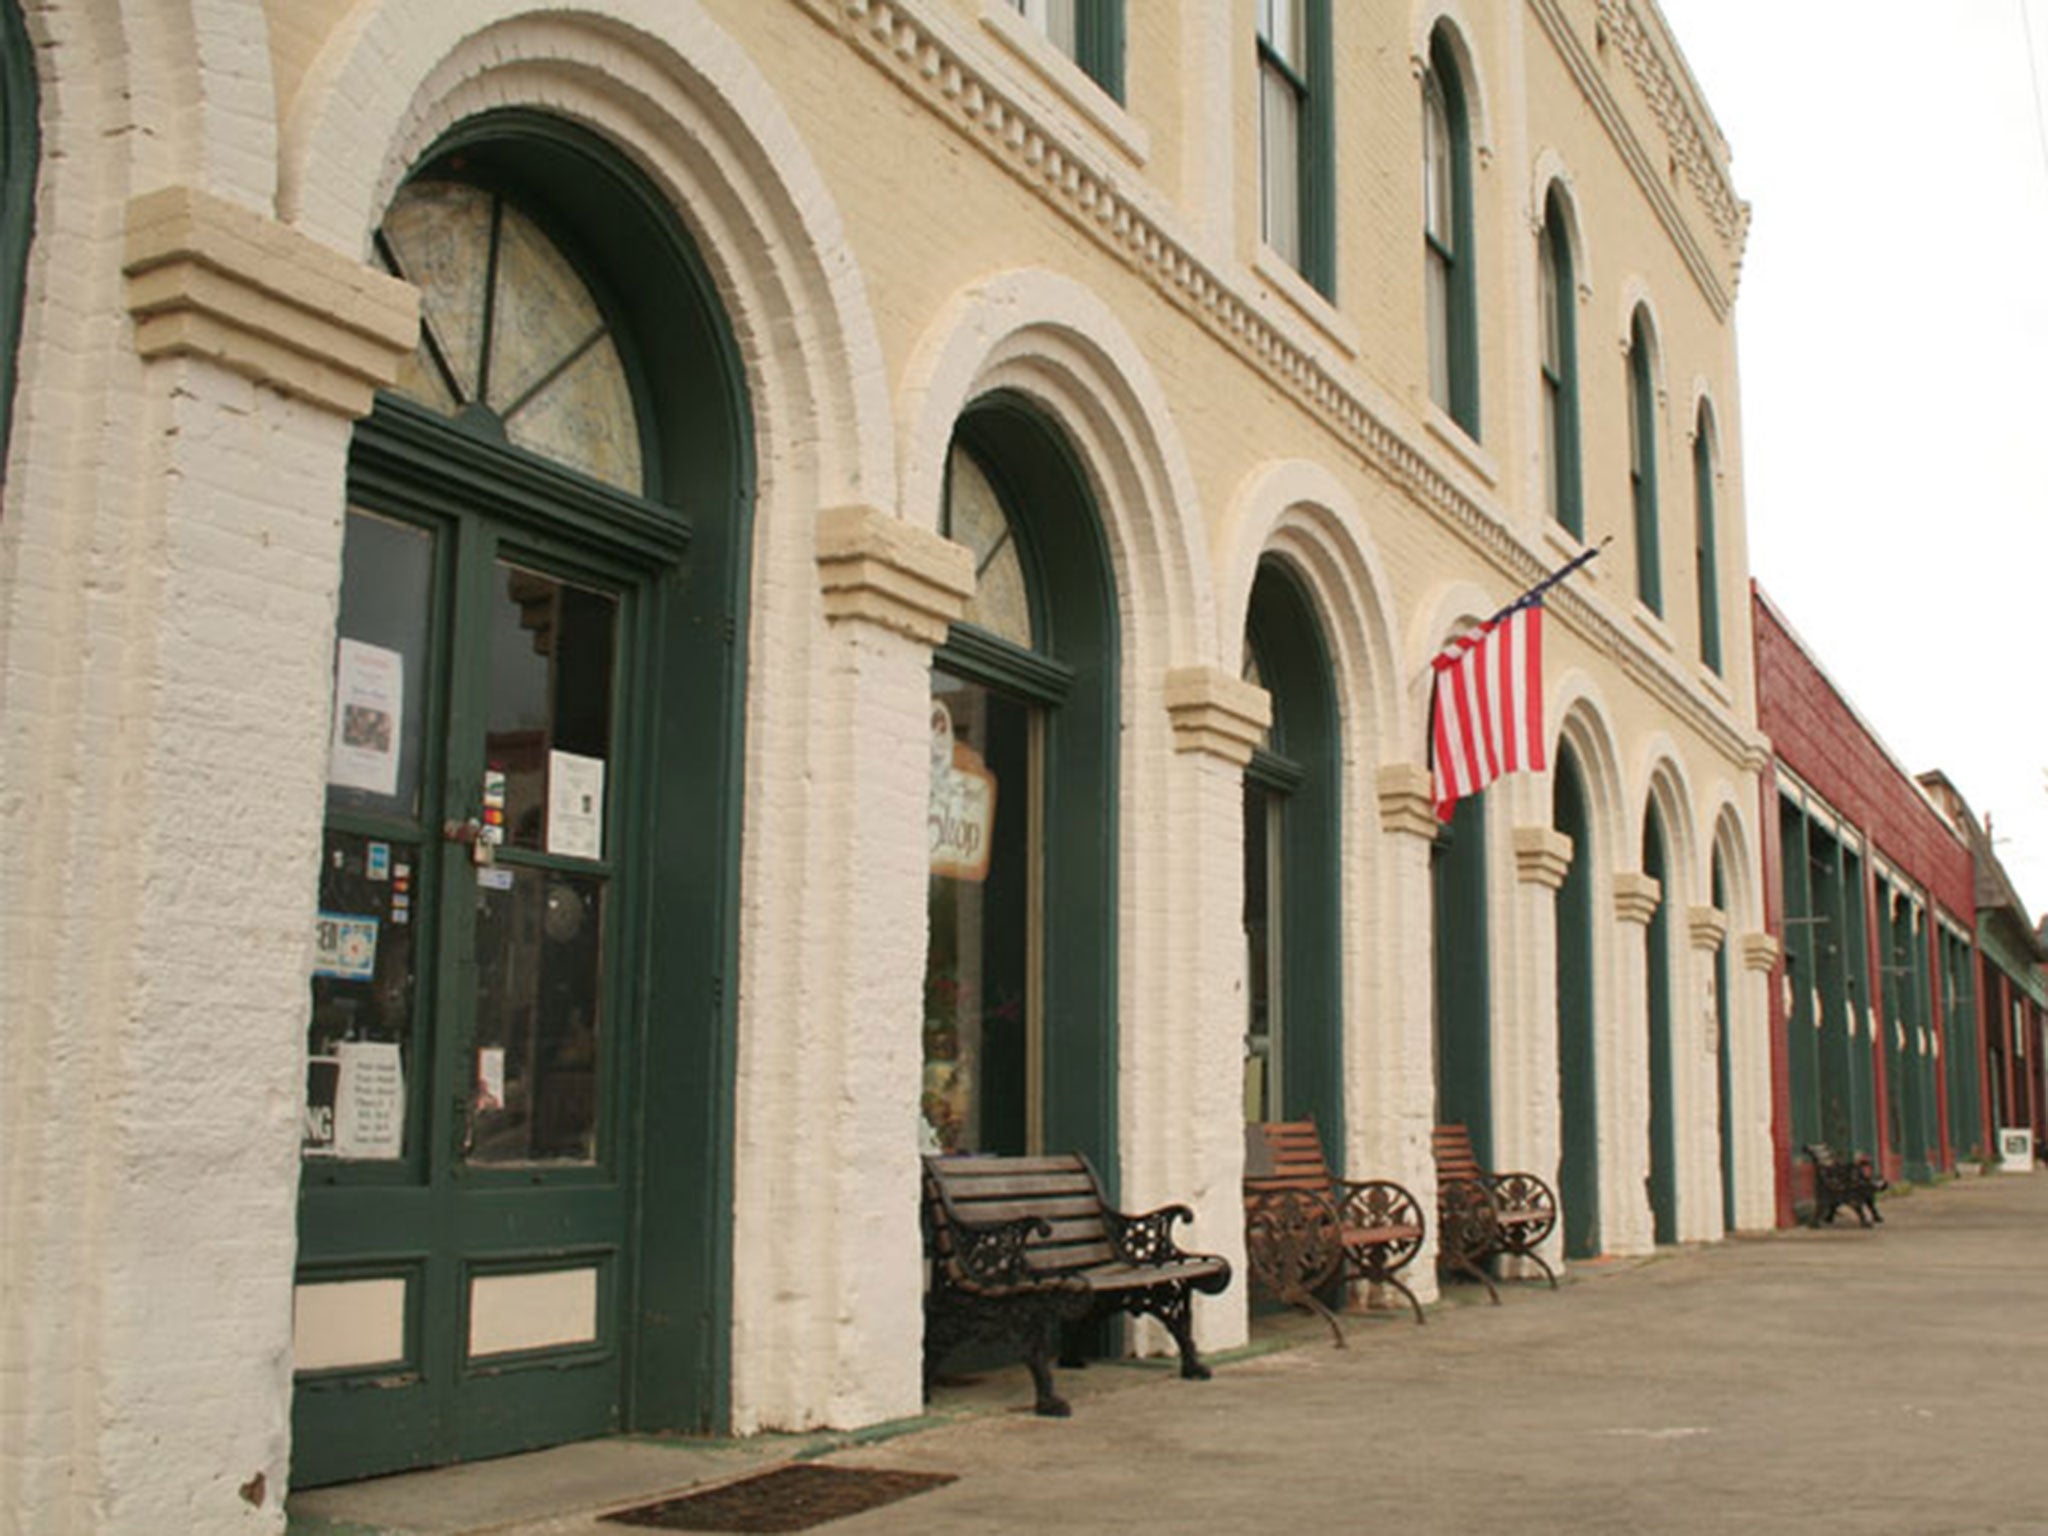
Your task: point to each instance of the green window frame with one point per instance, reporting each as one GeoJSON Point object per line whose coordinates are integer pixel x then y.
{"type": "Point", "coordinates": [1558, 370]}
{"type": "Point", "coordinates": [1642, 464]}
{"type": "Point", "coordinates": [1450, 280]}
{"type": "Point", "coordinates": [19, 149]}
{"type": "Point", "coordinates": [1706, 558]}
{"type": "Point", "coordinates": [1090, 32]}
{"type": "Point", "coordinates": [1297, 161]}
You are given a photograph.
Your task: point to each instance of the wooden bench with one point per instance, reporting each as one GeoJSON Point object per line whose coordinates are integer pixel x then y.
{"type": "Point", "coordinates": [1839, 1181]}
{"type": "Point", "coordinates": [1304, 1227]}
{"type": "Point", "coordinates": [1021, 1246]}
{"type": "Point", "coordinates": [1481, 1214]}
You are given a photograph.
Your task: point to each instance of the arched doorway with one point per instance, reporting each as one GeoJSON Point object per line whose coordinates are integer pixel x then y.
{"type": "Point", "coordinates": [1724, 1054]}
{"type": "Point", "coordinates": [1663, 1181]}
{"type": "Point", "coordinates": [536, 741]}
{"type": "Point", "coordinates": [1019, 1029]}
{"type": "Point", "coordinates": [1292, 841]}
{"type": "Point", "coordinates": [1578, 1171]}
{"type": "Point", "coordinates": [1464, 1015]}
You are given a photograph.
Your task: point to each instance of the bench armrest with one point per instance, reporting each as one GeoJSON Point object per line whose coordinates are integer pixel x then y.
{"type": "Point", "coordinates": [1521, 1192]}
{"type": "Point", "coordinates": [1377, 1203]}
{"type": "Point", "coordinates": [991, 1253]}
{"type": "Point", "coordinates": [1146, 1239]}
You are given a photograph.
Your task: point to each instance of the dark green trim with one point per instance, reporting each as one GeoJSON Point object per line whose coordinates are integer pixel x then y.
{"type": "Point", "coordinates": [1294, 665]}
{"type": "Point", "coordinates": [1642, 404]}
{"type": "Point", "coordinates": [415, 458]}
{"type": "Point", "coordinates": [1274, 771]}
{"type": "Point", "coordinates": [1060, 542]}
{"type": "Point", "coordinates": [1464, 1012]}
{"type": "Point", "coordinates": [1316, 191]}
{"type": "Point", "coordinates": [987, 658]}
{"type": "Point", "coordinates": [1099, 43]}
{"type": "Point", "coordinates": [686, 546]}
{"type": "Point", "coordinates": [1724, 1057]}
{"type": "Point", "coordinates": [20, 147]}
{"type": "Point", "coordinates": [1462, 310]}
{"type": "Point", "coordinates": [1663, 1091]}
{"type": "Point", "coordinates": [1859, 1053]}
{"type": "Point", "coordinates": [1578, 1170]}
{"type": "Point", "coordinates": [1707, 561]}
{"type": "Point", "coordinates": [1564, 447]}
{"type": "Point", "coordinates": [1801, 926]}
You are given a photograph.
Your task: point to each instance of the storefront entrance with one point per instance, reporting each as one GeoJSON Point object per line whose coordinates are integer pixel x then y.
{"type": "Point", "coordinates": [531, 757]}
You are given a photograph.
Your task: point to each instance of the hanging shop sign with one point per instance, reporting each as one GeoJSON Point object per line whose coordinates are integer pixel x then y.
{"type": "Point", "coordinates": [962, 814]}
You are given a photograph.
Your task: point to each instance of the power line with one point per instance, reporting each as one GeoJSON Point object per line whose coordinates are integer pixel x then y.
{"type": "Point", "coordinates": [2034, 75]}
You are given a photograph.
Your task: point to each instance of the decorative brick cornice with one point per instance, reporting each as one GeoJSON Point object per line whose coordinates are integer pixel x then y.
{"type": "Point", "coordinates": [1543, 856]}
{"type": "Point", "coordinates": [1216, 713]}
{"type": "Point", "coordinates": [1636, 896]}
{"type": "Point", "coordinates": [1760, 952]}
{"type": "Point", "coordinates": [1682, 132]}
{"type": "Point", "coordinates": [881, 570]}
{"type": "Point", "coordinates": [1408, 801]}
{"type": "Point", "coordinates": [1708, 926]}
{"type": "Point", "coordinates": [210, 278]}
{"type": "Point", "coordinates": [911, 42]}
{"type": "Point", "coordinates": [1685, 144]}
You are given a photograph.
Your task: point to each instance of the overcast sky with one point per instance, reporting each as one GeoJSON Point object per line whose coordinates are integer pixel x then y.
{"type": "Point", "coordinates": [1893, 324]}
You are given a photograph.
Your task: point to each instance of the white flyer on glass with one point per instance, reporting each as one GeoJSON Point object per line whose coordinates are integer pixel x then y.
{"type": "Point", "coordinates": [369, 701]}
{"type": "Point", "coordinates": [369, 1100]}
{"type": "Point", "coordinates": [575, 805]}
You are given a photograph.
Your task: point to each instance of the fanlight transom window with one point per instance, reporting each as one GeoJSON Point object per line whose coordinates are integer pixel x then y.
{"type": "Point", "coordinates": [510, 335]}
{"type": "Point", "coordinates": [974, 516]}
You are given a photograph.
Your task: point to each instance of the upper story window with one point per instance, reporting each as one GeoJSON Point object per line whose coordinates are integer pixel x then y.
{"type": "Point", "coordinates": [1447, 238]}
{"type": "Point", "coordinates": [1642, 462]}
{"type": "Point", "coordinates": [1707, 561]}
{"type": "Point", "coordinates": [1557, 286]}
{"type": "Point", "coordinates": [1295, 181]}
{"type": "Point", "coordinates": [1090, 32]}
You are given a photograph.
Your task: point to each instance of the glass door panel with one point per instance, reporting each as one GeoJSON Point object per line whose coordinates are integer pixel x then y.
{"type": "Point", "coordinates": [980, 1059]}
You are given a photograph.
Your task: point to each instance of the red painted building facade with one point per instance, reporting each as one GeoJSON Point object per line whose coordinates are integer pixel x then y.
{"type": "Point", "coordinates": [1871, 893]}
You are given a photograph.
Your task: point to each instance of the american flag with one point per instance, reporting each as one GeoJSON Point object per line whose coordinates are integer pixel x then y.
{"type": "Point", "coordinates": [1486, 715]}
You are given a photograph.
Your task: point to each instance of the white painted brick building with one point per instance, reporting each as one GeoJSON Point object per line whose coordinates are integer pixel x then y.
{"type": "Point", "coordinates": [1100, 372]}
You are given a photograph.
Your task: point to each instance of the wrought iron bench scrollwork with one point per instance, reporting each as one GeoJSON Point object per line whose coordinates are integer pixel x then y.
{"type": "Point", "coordinates": [1022, 1246]}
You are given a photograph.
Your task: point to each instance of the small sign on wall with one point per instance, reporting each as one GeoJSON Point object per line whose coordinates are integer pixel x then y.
{"type": "Point", "coordinates": [2015, 1149]}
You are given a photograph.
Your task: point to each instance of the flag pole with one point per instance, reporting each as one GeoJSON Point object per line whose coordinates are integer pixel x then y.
{"type": "Point", "coordinates": [1552, 579]}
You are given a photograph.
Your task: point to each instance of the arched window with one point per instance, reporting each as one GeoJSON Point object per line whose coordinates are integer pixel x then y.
{"type": "Point", "coordinates": [1448, 246]}
{"type": "Point", "coordinates": [1297, 181]}
{"type": "Point", "coordinates": [536, 718]}
{"type": "Point", "coordinates": [18, 153]}
{"type": "Point", "coordinates": [1706, 561]}
{"type": "Point", "coordinates": [1663, 1180]}
{"type": "Point", "coordinates": [1559, 371]}
{"type": "Point", "coordinates": [1019, 1039]}
{"type": "Point", "coordinates": [1292, 834]}
{"type": "Point", "coordinates": [1642, 462]}
{"type": "Point", "coordinates": [1578, 1182]}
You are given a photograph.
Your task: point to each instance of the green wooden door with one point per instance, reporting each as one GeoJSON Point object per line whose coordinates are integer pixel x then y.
{"type": "Point", "coordinates": [465, 1206]}
{"type": "Point", "coordinates": [509, 590]}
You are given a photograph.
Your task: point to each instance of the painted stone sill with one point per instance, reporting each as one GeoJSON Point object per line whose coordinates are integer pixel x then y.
{"type": "Point", "coordinates": [1440, 425]}
{"type": "Point", "coordinates": [1655, 629]}
{"type": "Point", "coordinates": [1070, 84]}
{"type": "Point", "coordinates": [1304, 299]}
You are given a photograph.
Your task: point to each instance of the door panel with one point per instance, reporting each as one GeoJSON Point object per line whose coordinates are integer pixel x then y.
{"type": "Point", "coordinates": [465, 1185]}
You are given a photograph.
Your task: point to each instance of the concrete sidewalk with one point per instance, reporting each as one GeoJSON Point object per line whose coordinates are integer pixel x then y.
{"type": "Point", "coordinates": [1894, 1380]}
